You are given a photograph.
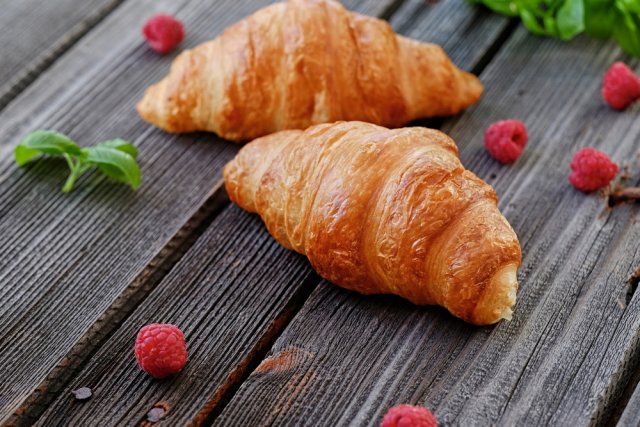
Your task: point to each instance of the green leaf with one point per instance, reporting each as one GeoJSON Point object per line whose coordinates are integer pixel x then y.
{"type": "Point", "coordinates": [504, 7]}
{"type": "Point", "coordinates": [570, 19]}
{"type": "Point", "coordinates": [532, 22]}
{"type": "Point", "coordinates": [550, 27]}
{"type": "Point", "coordinates": [599, 18]}
{"type": "Point", "coordinates": [122, 145]}
{"type": "Point", "coordinates": [567, 18]}
{"type": "Point", "coordinates": [25, 154]}
{"type": "Point", "coordinates": [632, 6]}
{"type": "Point", "coordinates": [45, 142]}
{"type": "Point", "coordinates": [114, 163]}
{"type": "Point", "coordinates": [627, 32]}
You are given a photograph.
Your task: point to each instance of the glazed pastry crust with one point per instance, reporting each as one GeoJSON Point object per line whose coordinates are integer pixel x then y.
{"type": "Point", "coordinates": [383, 211]}
{"type": "Point", "coordinates": [291, 65]}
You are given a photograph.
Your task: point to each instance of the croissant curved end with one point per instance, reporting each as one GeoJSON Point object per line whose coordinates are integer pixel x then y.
{"type": "Point", "coordinates": [499, 298]}
{"type": "Point", "coordinates": [149, 107]}
{"type": "Point", "coordinates": [473, 89]}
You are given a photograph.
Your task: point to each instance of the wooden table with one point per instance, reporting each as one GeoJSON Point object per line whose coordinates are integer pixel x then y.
{"type": "Point", "coordinates": [269, 341]}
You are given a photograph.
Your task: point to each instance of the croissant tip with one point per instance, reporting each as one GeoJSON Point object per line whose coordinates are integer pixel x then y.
{"type": "Point", "coordinates": [474, 88]}
{"type": "Point", "coordinates": [499, 298]}
{"type": "Point", "coordinates": [152, 108]}
{"type": "Point", "coordinates": [507, 314]}
{"type": "Point", "coordinates": [145, 109]}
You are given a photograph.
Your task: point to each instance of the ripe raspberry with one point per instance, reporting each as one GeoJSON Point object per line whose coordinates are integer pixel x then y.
{"type": "Point", "coordinates": [620, 86]}
{"type": "Point", "coordinates": [505, 140]}
{"type": "Point", "coordinates": [409, 416]}
{"type": "Point", "coordinates": [160, 350]}
{"type": "Point", "coordinates": [592, 169]}
{"type": "Point", "coordinates": [163, 33]}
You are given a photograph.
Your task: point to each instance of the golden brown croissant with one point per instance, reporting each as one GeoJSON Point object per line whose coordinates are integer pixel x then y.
{"type": "Point", "coordinates": [294, 64]}
{"type": "Point", "coordinates": [384, 211]}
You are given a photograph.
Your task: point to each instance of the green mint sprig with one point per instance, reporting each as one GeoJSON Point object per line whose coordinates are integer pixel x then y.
{"type": "Point", "coordinates": [566, 19]}
{"type": "Point", "coordinates": [115, 158]}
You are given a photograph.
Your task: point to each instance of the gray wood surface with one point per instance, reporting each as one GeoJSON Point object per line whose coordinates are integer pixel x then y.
{"type": "Point", "coordinates": [82, 262]}
{"type": "Point", "coordinates": [568, 353]}
{"type": "Point", "coordinates": [470, 35]}
{"type": "Point", "coordinates": [81, 273]}
{"type": "Point", "coordinates": [229, 294]}
{"type": "Point", "coordinates": [35, 32]}
{"type": "Point", "coordinates": [118, 402]}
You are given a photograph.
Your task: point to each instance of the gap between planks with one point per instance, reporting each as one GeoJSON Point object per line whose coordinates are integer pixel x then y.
{"type": "Point", "coordinates": [391, 9]}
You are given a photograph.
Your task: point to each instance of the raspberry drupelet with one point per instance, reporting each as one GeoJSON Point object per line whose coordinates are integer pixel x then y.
{"type": "Point", "coordinates": [620, 86]}
{"type": "Point", "coordinates": [161, 350]}
{"type": "Point", "coordinates": [591, 169]}
{"type": "Point", "coordinates": [163, 33]}
{"type": "Point", "coordinates": [409, 416]}
{"type": "Point", "coordinates": [505, 140]}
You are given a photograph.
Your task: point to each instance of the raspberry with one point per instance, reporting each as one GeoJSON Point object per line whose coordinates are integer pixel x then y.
{"type": "Point", "coordinates": [592, 169]}
{"type": "Point", "coordinates": [160, 350]}
{"type": "Point", "coordinates": [620, 86]}
{"type": "Point", "coordinates": [409, 416]}
{"type": "Point", "coordinates": [505, 140]}
{"type": "Point", "coordinates": [163, 33]}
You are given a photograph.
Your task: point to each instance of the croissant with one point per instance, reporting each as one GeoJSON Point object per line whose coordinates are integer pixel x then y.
{"type": "Point", "coordinates": [383, 211]}
{"type": "Point", "coordinates": [291, 65]}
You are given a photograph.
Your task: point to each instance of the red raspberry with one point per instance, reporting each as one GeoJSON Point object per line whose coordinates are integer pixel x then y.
{"type": "Point", "coordinates": [620, 86]}
{"type": "Point", "coordinates": [163, 33]}
{"type": "Point", "coordinates": [161, 350]}
{"type": "Point", "coordinates": [505, 140]}
{"type": "Point", "coordinates": [592, 169]}
{"type": "Point", "coordinates": [409, 416]}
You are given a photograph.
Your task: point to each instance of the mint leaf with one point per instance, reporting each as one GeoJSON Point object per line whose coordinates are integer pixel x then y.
{"type": "Point", "coordinates": [632, 6]}
{"type": "Point", "coordinates": [566, 19]}
{"type": "Point", "coordinates": [122, 145]}
{"type": "Point", "coordinates": [627, 32]}
{"type": "Point", "coordinates": [114, 163]}
{"type": "Point", "coordinates": [599, 18]}
{"type": "Point", "coordinates": [504, 7]}
{"type": "Point", "coordinates": [45, 142]}
{"type": "Point", "coordinates": [532, 22]}
{"type": "Point", "coordinates": [570, 19]}
{"type": "Point", "coordinates": [116, 158]}
{"type": "Point", "coordinates": [25, 154]}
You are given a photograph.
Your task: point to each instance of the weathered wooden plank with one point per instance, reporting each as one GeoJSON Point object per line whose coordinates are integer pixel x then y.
{"type": "Point", "coordinates": [67, 258]}
{"type": "Point", "coordinates": [567, 354]}
{"type": "Point", "coordinates": [74, 266]}
{"type": "Point", "coordinates": [35, 33]}
{"type": "Point", "coordinates": [228, 294]}
{"type": "Point", "coordinates": [467, 33]}
{"type": "Point", "coordinates": [372, 8]}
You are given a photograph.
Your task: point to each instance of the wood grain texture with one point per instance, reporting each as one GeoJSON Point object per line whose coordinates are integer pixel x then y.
{"type": "Point", "coordinates": [227, 294]}
{"type": "Point", "coordinates": [67, 258]}
{"type": "Point", "coordinates": [566, 356]}
{"type": "Point", "coordinates": [76, 265]}
{"type": "Point", "coordinates": [36, 33]}
{"type": "Point", "coordinates": [467, 33]}
{"type": "Point", "coordinates": [378, 8]}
